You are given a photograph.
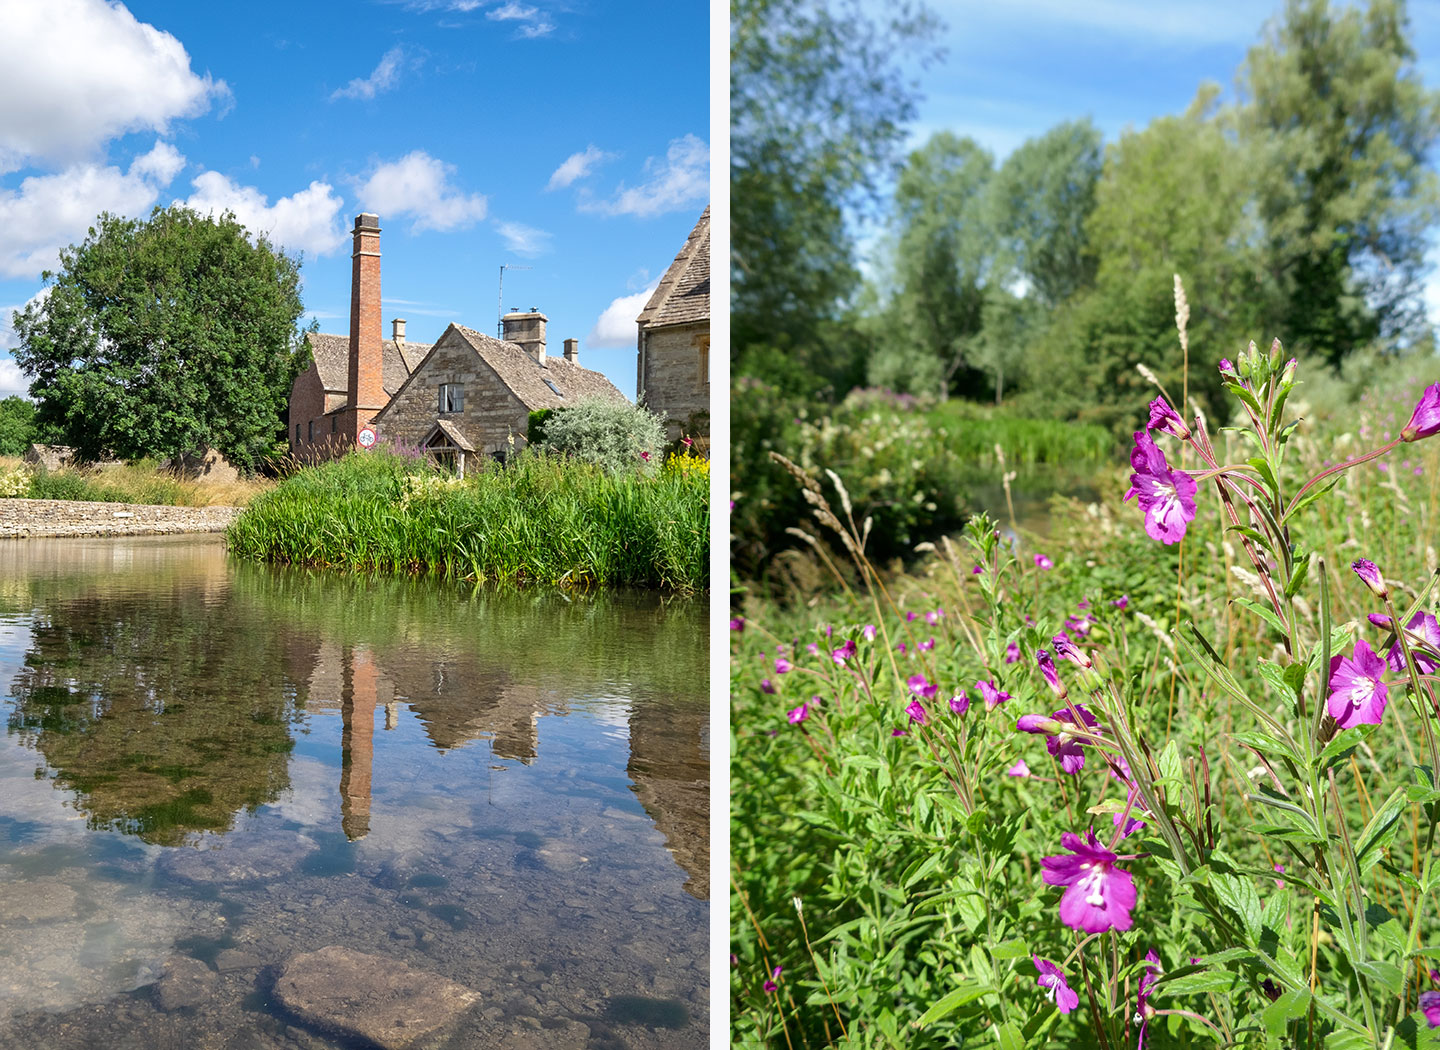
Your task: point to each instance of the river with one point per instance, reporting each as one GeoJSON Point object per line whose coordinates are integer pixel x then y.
{"type": "Point", "coordinates": [252, 808]}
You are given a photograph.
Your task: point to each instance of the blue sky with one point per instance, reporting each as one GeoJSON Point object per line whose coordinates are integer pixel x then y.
{"type": "Point", "coordinates": [567, 136]}
{"type": "Point", "coordinates": [1015, 68]}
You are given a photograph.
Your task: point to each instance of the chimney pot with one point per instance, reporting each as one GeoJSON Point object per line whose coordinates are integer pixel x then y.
{"type": "Point", "coordinates": [526, 331]}
{"type": "Point", "coordinates": [397, 330]}
{"type": "Point", "coordinates": [572, 350]}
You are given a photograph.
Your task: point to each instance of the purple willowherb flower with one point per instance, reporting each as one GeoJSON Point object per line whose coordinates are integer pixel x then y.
{"type": "Point", "coordinates": [1227, 369]}
{"type": "Point", "coordinates": [1357, 695]}
{"type": "Point", "coordinates": [1052, 679]}
{"type": "Point", "coordinates": [767, 686]}
{"type": "Point", "coordinates": [1165, 494]}
{"type": "Point", "coordinates": [868, 632]}
{"type": "Point", "coordinates": [1019, 769]}
{"type": "Point", "coordinates": [1059, 741]}
{"type": "Point", "coordinates": [1143, 1010]}
{"type": "Point", "coordinates": [934, 617]}
{"type": "Point", "coordinates": [1098, 895]}
{"type": "Point", "coordinates": [922, 686]}
{"type": "Point", "coordinates": [1068, 650]}
{"type": "Point", "coordinates": [926, 645]}
{"type": "Point", "coordinates": [1012, 653]}
{"type": "Point", "coordinates": [1121, 602]}
{"type": "Point", "coordinates": [843, 653]}
{"type": "Point", "coordinates": [813, 648]}
{"type": "Point", "coordinates": [992, 696]}
{"type": "Point", "coordinates": [916, 711]}
{"type": "Point", "coordinates": [977, 570]}
{"type": "Point", "coordinates": [1425, 627]}
{"type": "Point", "coordinates": [737, 624]}
{"type": "Point", "coordinates": [770, 985]}
{"type": "Point", "coordinates": [1425, 420]}
{"type": "Point", "coordinates": [1042, 562]}
{"type": "Point", "coordinates": [909, 617]}
{"type": "Point", "coordinates": [1166, 420]}
{"type": "Point", "coordinates": [960, 703]}
{"type": "Point", "coordinates": [898, 732]}
{"type": "Point", "coordinates": [1052, 979]}
{"type": "Point", "coordinates": [782, 665]}
{"type": "Point", "coordinates": [798, 714]}
{"type": "Point", "coordinates": [902, 649]}
{"type": "Point", "coordinates": [1370, 576]}
{"type": "Point", "coordinates": [1430, 1007]}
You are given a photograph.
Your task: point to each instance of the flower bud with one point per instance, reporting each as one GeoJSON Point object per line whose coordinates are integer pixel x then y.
{"type": "Point", "coordinates": [1039, 724]}
{"type": "Point", "coordinates": [1370, 576]}
{"type": "Point", "coordinates": [1425, 420]}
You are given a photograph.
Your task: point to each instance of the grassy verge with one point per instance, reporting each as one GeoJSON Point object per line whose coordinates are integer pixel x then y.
{"type": "Point", "coordinates": [539, 520]}
{"type": "Point", "coordinates": [140, 482]}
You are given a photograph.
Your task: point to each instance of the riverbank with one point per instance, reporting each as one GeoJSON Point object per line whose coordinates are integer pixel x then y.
{"type": "Point", "coordinates": [26, 518]}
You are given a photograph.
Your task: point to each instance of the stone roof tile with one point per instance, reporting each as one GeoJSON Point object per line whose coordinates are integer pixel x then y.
{"type": "Point", "coordinates": [527, 380]}
{"type": "Point", "coordinates": [332, 361]}
{"type": "Point", "coordinates": [683, 294]}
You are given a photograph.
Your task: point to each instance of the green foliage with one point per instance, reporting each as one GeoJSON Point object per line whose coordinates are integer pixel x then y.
{"type": "Point", "coordinates": [165, 336]}
{"type": "Point", "coordinates": [616, 436]}
{"type": "Point", "coordinates": [539, 520]}
{"type": "Point", "coordinates": [535, 426]}
{"type": "Point", "coordinates": [17, 426]}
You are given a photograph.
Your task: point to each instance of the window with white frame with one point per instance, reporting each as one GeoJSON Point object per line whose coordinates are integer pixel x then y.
{"type": "Point", "coordinates": [452, 397]}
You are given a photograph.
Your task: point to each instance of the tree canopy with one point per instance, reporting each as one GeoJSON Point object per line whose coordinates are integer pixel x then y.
{"type": "Point", "coordinates": [165, 336]}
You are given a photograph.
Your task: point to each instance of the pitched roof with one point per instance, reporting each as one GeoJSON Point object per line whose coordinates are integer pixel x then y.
{"type": "Point", "coordinates": [332, 360]}
{"type": "Point", "coordinates": [451, 431]}
{"type": "Point", "coordinates": [528, 381]}
{"type": "Point", "coordinates": [683, 294]}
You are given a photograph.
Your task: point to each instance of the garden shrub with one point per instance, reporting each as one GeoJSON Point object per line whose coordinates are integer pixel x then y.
{"type": "Point", "coordinates": [616, 436]}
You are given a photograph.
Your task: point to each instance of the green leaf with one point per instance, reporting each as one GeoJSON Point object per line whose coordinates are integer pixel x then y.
{"type": "Point", "coordinates": [1266, 474]}
{"type": "Point", "coordinates": [1290, 1006]}
{"type": "Point", "coordinates": [1342, 744]}
{"type": "Point", "coordinates": [1238, 894]}
{"type": "Point", "coordinates": [1311, 496]}
{"type": "Point", "coordinates": [1297, 579]}
{"type": "Point", "coordinates": [1268, 615]}
{"type": "Point", "coordinates": [1387, 975]}
{"type": "Point", "coordinates": [1016, 949]}
{"type": "Point", "coordinates": [1199, 983]}
{"type": "Point", "coordinates": [1292, 814]}
{"type": "Point", "coordinates": [1379, 831]}
{"type": "Point", "coordinates": [952, 1001]}
{"type": "Point", "coordinates": [1009, 1037]}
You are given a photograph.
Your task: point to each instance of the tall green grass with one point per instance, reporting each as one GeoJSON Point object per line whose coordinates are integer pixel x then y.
{"type": "Point", "coordinates": [539, 520]}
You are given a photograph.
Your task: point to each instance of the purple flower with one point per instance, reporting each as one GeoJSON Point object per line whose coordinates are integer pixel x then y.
{"type": "Point", "coordinates": [844, 652]}
{"type": "Point", "coordinates": [1357, 695]}
{"type": "Point", "coordinates": [1059, 741]}
{"type": "Point", "coordinates": [909, 617]}
{"type": "Point", "coordinates": [932, 618]}
{"type": "Point", "coordinates": [977, 570]}
{"type": "Point", "coordinates": [1370, 577]}
{"type": "Point", "coordinates": [926, 645]}
{"type": "Point", "coordinates": [1012, 653]}
{"type": "Point", "coordinates": [737, 624]}
{"type": "Point", "coordinates": [1019, 769]}
{"type": "Point", "coordinates": [782, 665]}
{"type": "Point", "coordinates": [1052, 679]}
{"type": "Point", "coordinates": [1166, 420]}
{"type": "Point", "coordinates": [1098, 895]}
{"type": "Point", "coordinates": [1425, 420]}
{"type": "Point", "coordinates": [813, 648]}
{"type": "Point", "coordinates": [868, 632]}
{"type": "Point", "coordinates": [1167, 496]}
{"type": "Point", "coordinates": [1052, 979]}
{"type": "Point", "coordinates": [916, 711]}
{"type": "Point", "coordinates": [1143, 1010]}
{"type": "Point", "coordinates": [770, 985]}
{"type": "Point", "coordinates": [798, 714]}
{"type": "Point", "coordinates": [960, 703]}
{"type": "Point", "coordinates": [767, 686]}
{"type": "Point", "coordinates": [901, 649]}
{"type": "Point", "coordinates": [993, 697]}
{"type": "Point", "coordinates": [1068, 650]}
{"type": "Point", "coordinates": [898, 732]}
{"type": "Point", "coordinates": [1227, 370]}
{"type": "Point", "coordinates": [645, 456]}
{"type": "Point", "coordinates": [1042, 562]}
{"type": "Point", "coordinates": [922, 686]}
{"type": "Point", "coordinates": [1430, 1007]}
{"type": "Point", "coordinates": [1427, 629]}
{"type": "Point", "coordinates": [1121, 602]}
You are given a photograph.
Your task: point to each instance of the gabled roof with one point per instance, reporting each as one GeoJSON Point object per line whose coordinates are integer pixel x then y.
{"type": "Point", "coordinates": [527, 380]}
{"type": "Point", "coordinates": [683, 294]}
{"type": "Point", "coordinates": [451, 431]}
{"type": "Point", "coordinates": [332, 361]}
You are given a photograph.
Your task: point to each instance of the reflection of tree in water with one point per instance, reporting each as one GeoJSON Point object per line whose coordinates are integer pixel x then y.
{"type": "Point", "coordinates": [669, 759]}
{"type": "Point", "coordinates": [165, 716]}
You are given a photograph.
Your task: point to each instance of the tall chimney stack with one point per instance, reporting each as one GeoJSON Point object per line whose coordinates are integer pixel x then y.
{"type": "Point", "coordinates": [572, 350]}
{"type": "Point", "coordinates": [367, 387]}
{"type": "Point", "coordinates": [528, 332]}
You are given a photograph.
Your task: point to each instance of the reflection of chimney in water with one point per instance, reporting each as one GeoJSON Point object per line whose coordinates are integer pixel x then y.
{"type": "Point", "coordinates": [357, 749]}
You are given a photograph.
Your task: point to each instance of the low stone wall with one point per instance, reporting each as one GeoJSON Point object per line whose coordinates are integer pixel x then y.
{"type": "Point", "coordinates": [20, 518]}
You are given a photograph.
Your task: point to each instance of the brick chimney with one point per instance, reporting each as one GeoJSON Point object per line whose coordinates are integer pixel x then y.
{"type": "Point", "coordinates": [367, 387]}
{"type": "Point", "coordinates": [572, 350]}
{"type": "Point", "coordinates": [528, 332]}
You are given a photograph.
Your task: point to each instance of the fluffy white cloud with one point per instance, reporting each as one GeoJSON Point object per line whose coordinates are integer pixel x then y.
{"type": "Point", "coordinates": [524, 240]}
{"type": "Point", "coordinates": [616, 326]}
{"type": "Point", "coordinates": [48, 212]}
{"type": "Point", "coordinates": [12, 381]}
{"type": "Point", "coordinates": [577, 166]}
{"type": "Point", "coordinates": [679, 181]}
{"type": "Point", "coordinates": [418, 185]}
{"type": "Point", "coordinates": [76, 73]}
{"type": "Point", "coordinates": [512, 10]}
{"type": "Point", "coordinates": [386, 74]}
{"type": "Point", "coordinates": [536, 29]}
{"type": "Point", "coordinates": [306, 221]}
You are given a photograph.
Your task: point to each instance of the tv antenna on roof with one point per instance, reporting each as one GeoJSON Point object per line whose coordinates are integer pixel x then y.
{"type": "Point", "coordinates": [500, 299]}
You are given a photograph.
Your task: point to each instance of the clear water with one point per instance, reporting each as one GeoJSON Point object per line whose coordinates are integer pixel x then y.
{"type": "Point", "coordinates": [214, 761]}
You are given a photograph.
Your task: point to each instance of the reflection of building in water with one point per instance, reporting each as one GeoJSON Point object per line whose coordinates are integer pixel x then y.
{"type": "Point", "coordinates": [357, 744]}
{"type": "Point", "coordinates": [669, 763]}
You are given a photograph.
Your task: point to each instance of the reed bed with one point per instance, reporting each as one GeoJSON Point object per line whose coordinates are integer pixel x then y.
{"type": "Point", "coordinates": [540, 520]}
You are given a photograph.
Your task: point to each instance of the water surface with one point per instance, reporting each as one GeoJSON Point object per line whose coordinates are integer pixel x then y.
{"type": "Point", "coordinates": [217, 766]}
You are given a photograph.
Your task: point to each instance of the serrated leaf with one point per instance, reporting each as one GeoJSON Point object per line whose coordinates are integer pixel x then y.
{"type": "Point", "coordinates": [1015, 949]}
{"type": "Point", "coordinates": [1387, 975]}
{"type": "Point", "coordinates": [1199, 983]}
{"type": "Point", "coordinates": [1238, 894]}
{"type": "Point", "coordinates": [1290, 1006]}
{"type": "Point", "coordinates": [1342, 743]}
{"type": "Point", "coordinates": [1380, 830]}
{"type": "Point", "coordinates": [1265, 744]}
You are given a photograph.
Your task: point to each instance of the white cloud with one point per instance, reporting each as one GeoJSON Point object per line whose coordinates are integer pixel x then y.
{"type": "Point", "coordinates": [418, 185]}
{"type": "Point", "coordinates": [306, 221]}
{"type": "Point", "coordinates": [536, 29]}
{"type": "Point", "coordinates": [616, 326]}
{"type": "Point", "coordinates": [577, 166]}
{"type": "Point", "coordinates": [524, 240]}
{"type": "Point", "coordinates": [48, 212]}
{"type": "Point", "coordinates": [386, 75]}
{"type": "Point", "coordinates": [512, 10]}
{"type": "Point", "coordinates": [680, 180]}
{"type": "Point", "coordinates": [12, 381]}
{"type": "Point", "coordinates": [76, 73]}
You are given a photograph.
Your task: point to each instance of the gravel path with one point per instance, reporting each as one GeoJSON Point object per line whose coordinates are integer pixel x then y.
{"type": "Point", "coordinates": [20, 518]}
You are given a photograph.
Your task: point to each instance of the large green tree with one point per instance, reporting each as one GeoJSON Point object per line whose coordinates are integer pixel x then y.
{"type": "Point", "coordinates": [1337, 124]}
{"type": "Point", "coordinates": [165, 336]}
{"type": "Point", "coordinates": [17, 426]}
{"type": "Point", "coordinates": [820, 91]}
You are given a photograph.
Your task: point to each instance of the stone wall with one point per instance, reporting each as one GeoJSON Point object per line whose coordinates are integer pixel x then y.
{"type": "Point", "coordinates": [676, 380]}
{"type": "Point", "coordinates": [491, 414]}
{"type": "Point", "coordinates": [54, 517]}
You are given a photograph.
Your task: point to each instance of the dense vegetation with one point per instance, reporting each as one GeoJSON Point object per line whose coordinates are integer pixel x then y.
{"type": "Point", "coordinates": [540, 519]}
{"type": "Point", "coordinates": [139, 482]}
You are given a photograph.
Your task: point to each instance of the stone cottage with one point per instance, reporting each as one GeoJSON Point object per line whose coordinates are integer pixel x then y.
{"type": "Point", "coordinates": [472, 395]}
{"type": "Point", "coordinates": [673, 348]}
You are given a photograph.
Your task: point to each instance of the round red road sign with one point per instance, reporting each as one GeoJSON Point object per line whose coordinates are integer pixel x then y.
{"type": "Point", "coordinates": [367, 437]}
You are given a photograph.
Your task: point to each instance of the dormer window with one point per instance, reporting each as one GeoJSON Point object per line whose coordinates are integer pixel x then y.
{"type": "Point", "coordinates": [452, 397]}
